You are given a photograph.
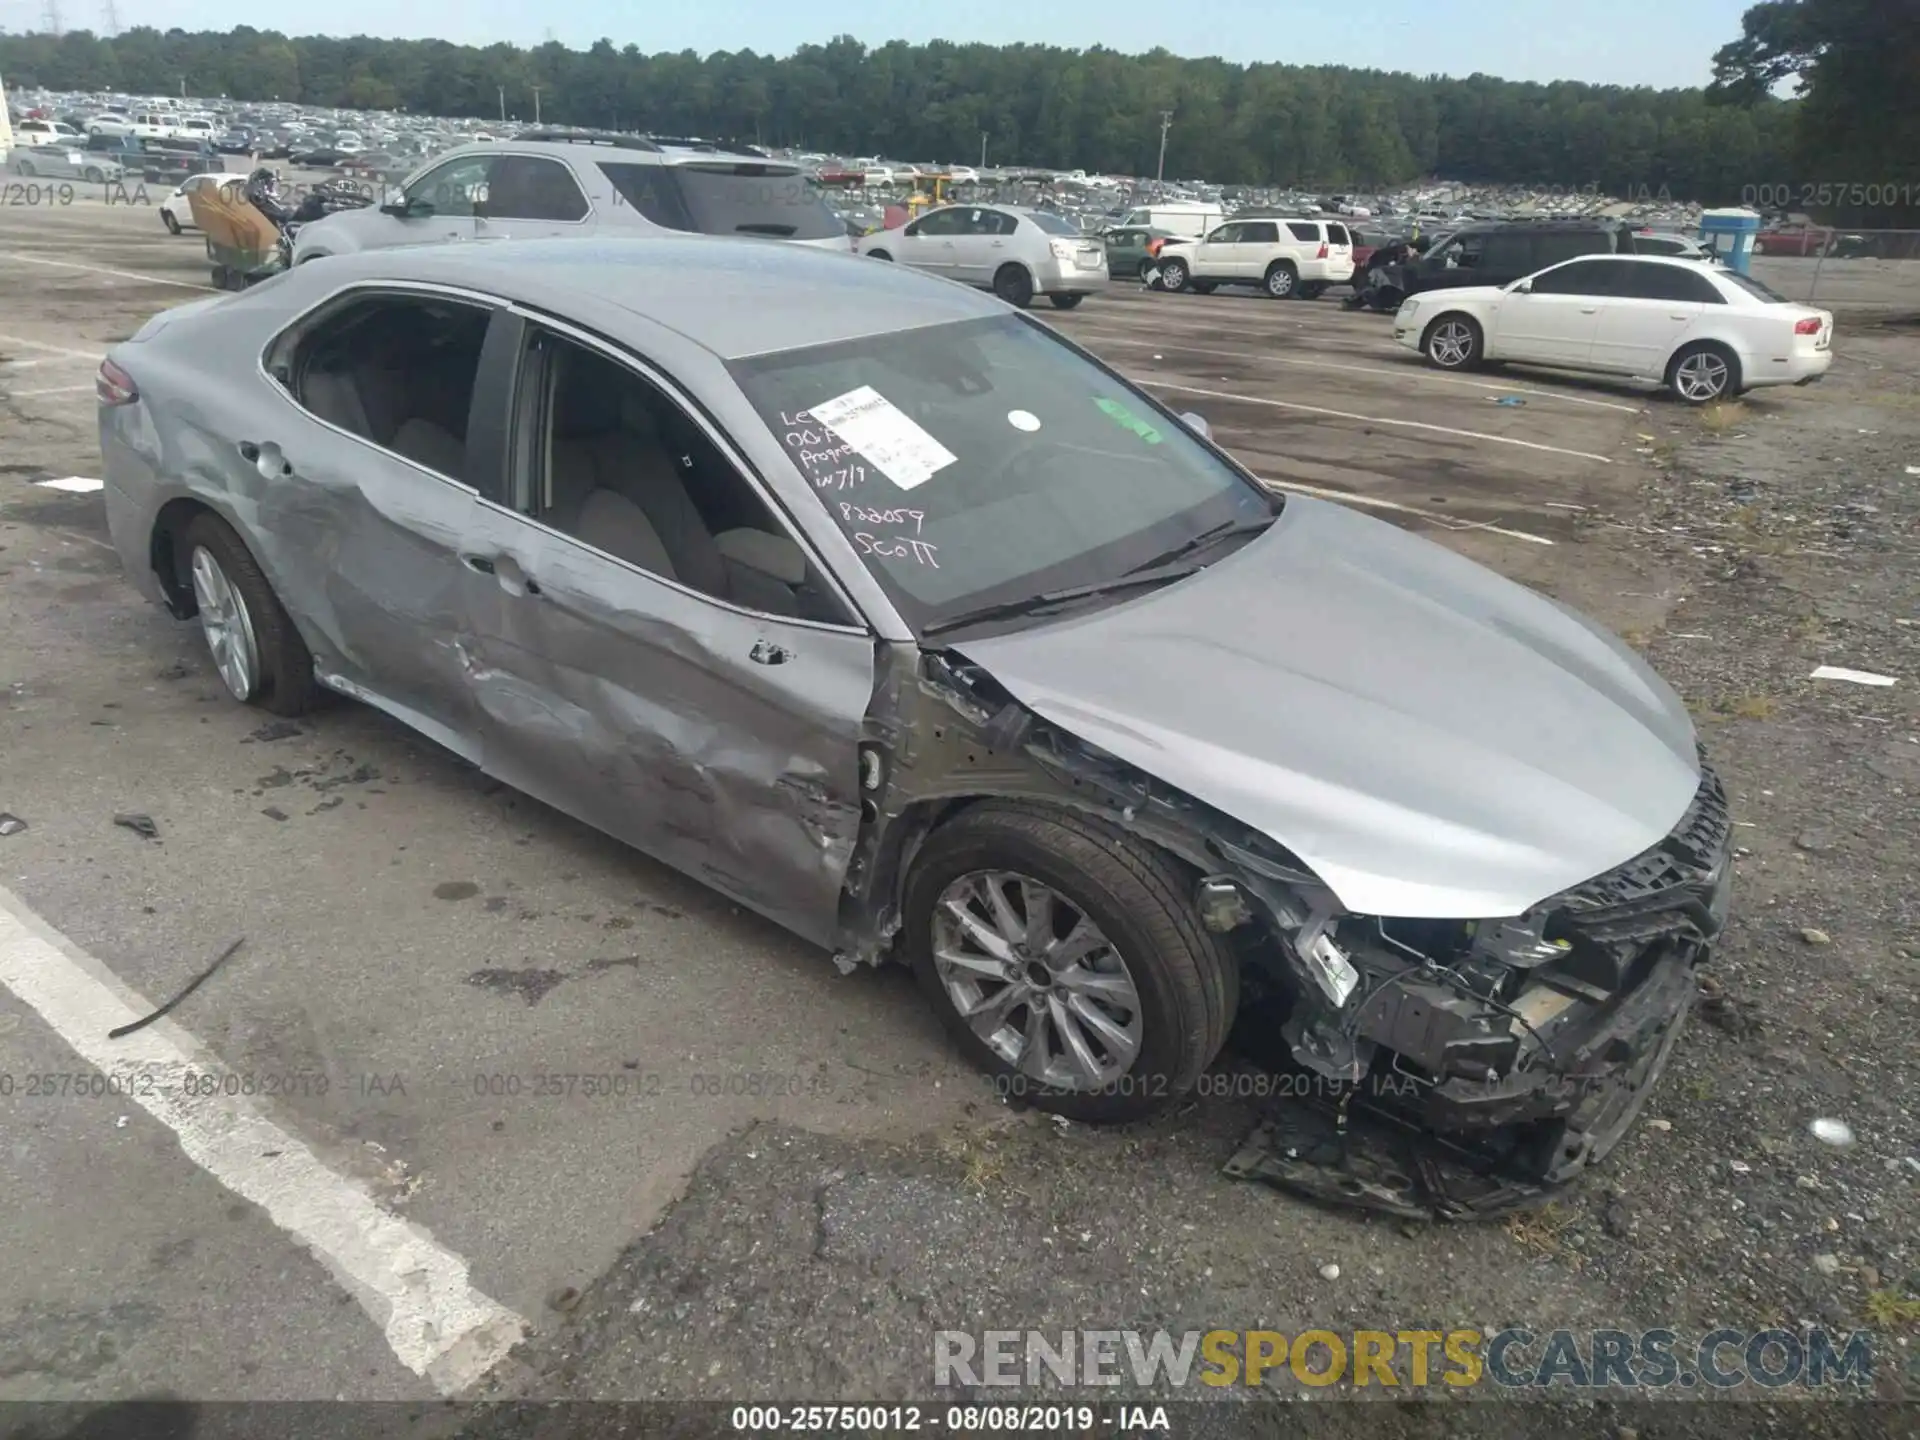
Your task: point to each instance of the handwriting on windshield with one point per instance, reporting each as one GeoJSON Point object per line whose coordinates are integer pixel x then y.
{"type": "Point", "coordinates": [882, 531]}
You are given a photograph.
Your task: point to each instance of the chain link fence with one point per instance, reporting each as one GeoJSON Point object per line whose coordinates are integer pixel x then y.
{"type": "Point", "coordinates": [1849, 270]}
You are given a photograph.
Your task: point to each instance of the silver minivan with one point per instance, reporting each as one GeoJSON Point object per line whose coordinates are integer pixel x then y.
{"type": "Point", "coordinates": [1018, 254]}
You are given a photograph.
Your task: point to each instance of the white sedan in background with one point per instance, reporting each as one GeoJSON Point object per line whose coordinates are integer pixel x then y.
{"type": "Point", "coordinates": [176, 211]}
{"type": "Point", "coordinates": [1017, 253]}
{"type": "Point", "coordinates": [1705, 332]}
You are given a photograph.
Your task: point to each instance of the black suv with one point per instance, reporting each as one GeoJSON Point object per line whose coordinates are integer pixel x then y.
{"type": "Point", "coordinates": [1497, 252]}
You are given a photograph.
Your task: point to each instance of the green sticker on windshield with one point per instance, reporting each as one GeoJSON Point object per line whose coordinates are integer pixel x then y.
{"type": "Point", "coordinates": [1126, 419]}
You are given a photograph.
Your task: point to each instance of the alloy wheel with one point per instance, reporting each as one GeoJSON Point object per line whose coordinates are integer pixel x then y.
{"type": "Point", "coordinates": [1452, 344]}
{"type": "Point", "coordinates": [226, 624]}
{"type": "Point", "coordinates": [1702, 376]}
{"type": "Point", "coordinates": [1036, 980]}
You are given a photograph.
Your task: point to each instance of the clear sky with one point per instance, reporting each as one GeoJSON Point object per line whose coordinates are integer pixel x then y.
{"type": "Point", "coordinates": [1627, 42]}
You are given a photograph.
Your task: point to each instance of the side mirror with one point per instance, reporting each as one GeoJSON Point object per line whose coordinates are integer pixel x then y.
{"type": "Point", "coordinates": [1522, 287]}
{"type": "Point", "coordinates": [1197, 423]}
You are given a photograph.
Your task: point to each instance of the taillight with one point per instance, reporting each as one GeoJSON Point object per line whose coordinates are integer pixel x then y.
{"type": "Point", "coordinates": [1808, 326]}
{"type": "Point", "coordinates": [1323, 250]}
{"type": "Point", "coordinates": [114, 386]}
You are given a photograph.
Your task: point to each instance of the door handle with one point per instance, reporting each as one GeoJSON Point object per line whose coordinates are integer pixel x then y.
{"type": "Point", "coordinates": [1679, 317]}
{"type": "Point", "coordinates": [266, 457]}
{"type": "Point", "coordinates": [1593, 310]}
{"type": "Point", "coordinates": [482, 563]}
{"type": "Point", "coordinates": [249, 450]}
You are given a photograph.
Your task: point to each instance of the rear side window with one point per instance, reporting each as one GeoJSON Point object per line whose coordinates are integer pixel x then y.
{"type": "Point", "coordinates": [1551, 249]}
{"type": "Point", "coordinates": [1052, 224]}
{"type": "Point", "coordinates": [1669, 282]}
{"type": "Point", "coordinates": [1304, 230]}
{"type": "Point", "coordinates": [724, 198]}
{"type": "Point", "coordinates": [1337, 234]}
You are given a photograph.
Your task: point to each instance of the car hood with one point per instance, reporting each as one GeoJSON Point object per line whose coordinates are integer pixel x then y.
{"type": "Point", "coordinates": [1430, 738]}
{"type": "Point", "coordinates": [1454, 294]}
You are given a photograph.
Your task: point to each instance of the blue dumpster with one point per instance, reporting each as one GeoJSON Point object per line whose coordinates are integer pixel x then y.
{"type": "Point", "coordinates": [1729, 234]}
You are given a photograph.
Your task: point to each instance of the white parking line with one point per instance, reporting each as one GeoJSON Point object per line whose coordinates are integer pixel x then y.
{"type": "Point", "coordinates": [1410, 372]}
{"type": "Point", "coordinates": [1446, 522]}
{"type": "Point", "coordinates": [439, 1327]}
{"type": "Point", "coordinates": [26, 344]}
{"type": "Point", "coordinates": [1152, 384]}
{"type": "Point", "coordinates": [20, 259]}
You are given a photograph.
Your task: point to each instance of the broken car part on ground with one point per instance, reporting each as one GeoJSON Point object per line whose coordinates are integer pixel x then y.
{"type": "Point", "coordinates": [897, 618]}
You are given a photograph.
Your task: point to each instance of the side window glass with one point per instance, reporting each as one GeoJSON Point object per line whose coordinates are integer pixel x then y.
{"type": "Point", "coordinates": [456, 187]}
{"type": "Point", "coordinates": [1304, 230]}
{"type": "Point", "coordinates": [1261, 232]}
{"type": "Point", "coordinates": [526, 187]}
{"type": "Point", "coordinates": [1508, 254]}
{"type": "Point", "coordinates": [1226, 235]}
{"type": "Point", "coordinates": [1585, 277]}
{"type": "Point", "coordinates": [1468, 251]}
{"type": "Point", "coordinates": [395, 370]}
{"type": "Point", "coordinates": [627, 472]}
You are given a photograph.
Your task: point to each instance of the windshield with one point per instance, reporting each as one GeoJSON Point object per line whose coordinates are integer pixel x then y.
{"type": "Point", "coordinates": [1052, 224]}
{"type": "Point", "coordinates": [977, 464]}
{"type": "Point", "coordinates": [1757, 288]}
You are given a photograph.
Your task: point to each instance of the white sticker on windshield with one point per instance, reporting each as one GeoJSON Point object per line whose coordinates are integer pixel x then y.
{"type": "Point", "coordinates": [1023, 420]}
{"type": "Point", "coordinates": [883, 436]}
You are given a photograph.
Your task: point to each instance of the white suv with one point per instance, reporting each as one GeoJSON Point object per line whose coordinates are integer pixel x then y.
{"type": "Point", "coordinates": [552, 183]}
{"type": "Point", "coordinates": [1284, 257]}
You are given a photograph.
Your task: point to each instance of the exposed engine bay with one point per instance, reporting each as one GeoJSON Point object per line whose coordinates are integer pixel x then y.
{"type": "Point", "coordinates": [1459, 1068]}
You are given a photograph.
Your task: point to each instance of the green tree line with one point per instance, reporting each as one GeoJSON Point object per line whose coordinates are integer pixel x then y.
{"type": "Point", "coordinates": [1097, 109]}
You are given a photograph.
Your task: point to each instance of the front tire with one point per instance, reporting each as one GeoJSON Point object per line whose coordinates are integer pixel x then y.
{"type": "Point", "coordinates": [878, 255]}
{"type": "Point", "coordinates": [1453, 342]}
{"type": "Point", "coordinates": [1701, 374]}
{"type": "Point", "coordinates": [1282, 280]}
{"type": "Point", "coordinates": [1174, 275]}
{"type": "Point", "coordinates": [1065, 959]}
{"type": "Point", "coordinates": [173, 225]}
{"type": "Point", "coordinates": [24, 169]}
{"type": "Point", "coordinates": [1014, 285]}
{"type": "Point", "coordinates": [259, 654]}
{"type": "Point", "coordinates": [95, 175]}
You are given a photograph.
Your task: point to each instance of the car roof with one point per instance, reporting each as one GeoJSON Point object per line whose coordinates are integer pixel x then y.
{"type": "Point", "coordinates": [732, 297]}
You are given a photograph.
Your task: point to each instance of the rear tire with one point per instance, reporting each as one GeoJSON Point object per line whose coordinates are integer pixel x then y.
{"type": "Point", "coordinates": [1014, 285]}
{"type": "Point", "coordinates": [277, 675]}
{"type": "Point", "coordinates": [1065, 302]}
{"type": "Point", "coordinates": [1702, 374]}
{"type": "Point", "coordinates": [173, 225]}
{"type": "Point", "coordinates": [95, 175]}
{"type": "Point", "coordinates": [1185, 982]}
{"type": "Point", "coordinates": [24, 169]}
{"type": "Point", "coordinates": [878, 255]}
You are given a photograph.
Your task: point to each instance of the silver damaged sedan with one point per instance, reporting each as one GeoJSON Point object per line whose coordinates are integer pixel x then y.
{"type": "Point", "coordinates": [883, 609]}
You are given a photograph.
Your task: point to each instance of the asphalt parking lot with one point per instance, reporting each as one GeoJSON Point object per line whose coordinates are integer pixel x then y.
{"type": "Point", "coordinates": [506, 1080]}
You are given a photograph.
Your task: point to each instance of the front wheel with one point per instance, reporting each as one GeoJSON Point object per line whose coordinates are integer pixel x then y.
{"type": "Point", "coordinates": [878, 255]}
{"type": "Point", "coordinates": [1065, 302]}
{"type": "Point", "coordinates": [1702, 374]}
{"type": "Point", "coordinates": [1282, 279]}
{"type": "Point", "coordinates": [1066, 960]}
{"type": "Point", "coordinates": [95, 175]}
{"type": "Point", "coordinates": [1174, 275]}
{"type": "Point", "coordinates": [260, 656]}
{"type": "Point", "coordinates": [24, 168]}
{"type": "Point", "coordinates": [1014, 285]}
{"type": "Point", "coordinates": [1453, 342]}
{"type": "Point", "coordinates": [173, 225]}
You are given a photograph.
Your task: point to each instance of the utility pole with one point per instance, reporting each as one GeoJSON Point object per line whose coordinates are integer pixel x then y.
{"type": "Point", "coordinates": [113, 18]}
{"type": "Point", "coordinates": [53, 18]}
{"type": "Point", "coordinates": [1166, 123]}
{"type": "Point", "coordinates": [536, 102]}
{"type": "Point", "coordinates": [503, 104]}
{"type": "Point", "coordinates": [983, 149]}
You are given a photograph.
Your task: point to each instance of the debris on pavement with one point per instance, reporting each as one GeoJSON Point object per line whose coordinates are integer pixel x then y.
{"type": "Point", "coordinates": [274, 730]}
{"type": "Point", "coordinates": [11, 824]}
{"type": "Point", "coordinates": [141, 825]}
{"type": "Point", "coordinates": [1506, 400]}
{"type": "Point", "coordinates": [191, 986]}
{"type": "Point", "coordinates": [1329, 1271]}
{"type": "Point", "coordinates": [1813, 936]}
{"type": "Point", "coordinates": [1856, 677]}
{"type": "Point", "coordinates": [1836, 1133]}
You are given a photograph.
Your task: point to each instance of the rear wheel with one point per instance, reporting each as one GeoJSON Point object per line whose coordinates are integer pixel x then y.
{"type": "Point", "coordinates": [260, 656]}
{"type": "Point", "coordinates": [1282, 279]}
{"type": "Point", "coordinates": [1453, 342]}
{"type": "Point", "coordinates": [1702, 374]}
{"type": "Point", "coordinates": [173, 225]}
{"type": "Point", "coordinates": [878, 255]}
{"type": "Point", "coordinates": [1065, 302]}
{"type": "Point", "coordinates": [24, 167]}
{"type": "Point", "coordinates": [1014, 285]}
{"type": "Point", "coordinates": [95, 175]}
{"type": "Point", "coordinates": [1066, 960]}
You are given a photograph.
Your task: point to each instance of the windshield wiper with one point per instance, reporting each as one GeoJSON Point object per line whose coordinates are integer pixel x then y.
{"type": "Point", "coordinates": [1213, 535]}
{"type": "Point", "coordinates": [1052, 599]}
